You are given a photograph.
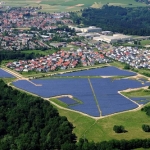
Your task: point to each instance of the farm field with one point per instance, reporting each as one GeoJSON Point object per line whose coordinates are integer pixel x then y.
{"type": "Point", "coordinates": [70, 5]}
{"type": "Point", "coordinates": [99, 96]}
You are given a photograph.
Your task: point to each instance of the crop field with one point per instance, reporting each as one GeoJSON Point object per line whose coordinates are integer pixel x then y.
{"type": "Point", "coordinates": [70, 5]}
{"type": "Point", "coordinates": [4, 74]}
{"type": "Point", "coordinates": [105, 71]}
{"type": "Point", "coordinates": [99, 96]}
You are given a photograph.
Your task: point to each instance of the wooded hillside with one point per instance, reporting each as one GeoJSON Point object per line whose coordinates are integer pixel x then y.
{"type": "Point", "coordinates": [28, 122]}
{"type": "Point", "coordinates": [134, 21]}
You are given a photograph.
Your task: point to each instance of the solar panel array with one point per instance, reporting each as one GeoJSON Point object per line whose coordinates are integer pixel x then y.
{"type": "Point", "coordinates": [67, 100]}
{"type": "Point", "coordinates": [141, 100]}
{"type": "Point", "coordinates": [4, 74]}
{"type": "Point", "coordinates": [106, 92]}
{"type": "Point", "coordinates": [79, 88]}
{"type": "Point", "coordinates": [105, 71]}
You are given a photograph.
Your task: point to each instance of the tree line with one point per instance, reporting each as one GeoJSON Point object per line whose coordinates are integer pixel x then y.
{"type": "Point", "coordinates": [9, 55]}
{"type": "Point", "coordinates": [133, 21]}
{"type": "Point", "coordinates": [28, 122]}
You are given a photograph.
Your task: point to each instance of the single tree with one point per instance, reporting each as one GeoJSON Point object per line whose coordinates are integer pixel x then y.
{"type": "Point", "coordinates": [119, 129]}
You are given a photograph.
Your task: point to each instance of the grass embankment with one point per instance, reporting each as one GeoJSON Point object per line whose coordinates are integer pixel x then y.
{"type": "Point", "coordinates": [58, 102]}
{"type": "Point", "coordinates": [102, 129]}
{"type": "Point", "coordinates": [137, 93]}
{"type": "Point", "coordinates": [145, 72]}
{"type": "Point", "coordinates": [62, 104]}
{"type": "Point", "coordinates": [145, 42]}
{"type": "Point", "coordinates": [8, 80]}
{"type": "Point", "coordinates": [117, 64]}
{"type": "Point", "coordinates": [142, 71]}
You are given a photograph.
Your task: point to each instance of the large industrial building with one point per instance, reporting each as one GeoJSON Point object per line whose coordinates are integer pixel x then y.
{"type": "Point", "coordinates": [89, 35]}
{"type": "Point", "coordinates": [87, 30]}
{"type": "Point", "coordinates": [114, 38]}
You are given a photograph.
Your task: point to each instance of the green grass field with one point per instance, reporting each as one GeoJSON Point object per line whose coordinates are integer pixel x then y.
{"type": "Point", "coordinates": [145, 42]}
{"type": "Point", "coordinates": [8, 80]}
{"type": "Point", "coordinates": [71, 5]}
{"type": "Point", "coordinates": [102, 129]}
{"type": "Point", "coordinates": [137, 93]}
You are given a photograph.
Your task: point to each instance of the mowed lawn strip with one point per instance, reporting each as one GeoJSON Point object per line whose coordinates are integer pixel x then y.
{"type": "Point", "coordinates": [103, 129]}
{"type": "Point", "coordinates": [137, 93]}
{"type": "Point", "coordinates": [60, 103]}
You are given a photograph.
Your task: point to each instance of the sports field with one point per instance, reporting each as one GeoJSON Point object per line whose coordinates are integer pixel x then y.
{"type": "Point", "coordinates": [70, 5]}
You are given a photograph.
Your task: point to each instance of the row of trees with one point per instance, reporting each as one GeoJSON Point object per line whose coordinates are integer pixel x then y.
{"type": "Point", "coordinates": [134, 21]}
{"type": "Point", "coordinates": [9, 55]}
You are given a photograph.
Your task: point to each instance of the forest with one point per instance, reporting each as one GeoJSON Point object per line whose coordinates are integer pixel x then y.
{"type": "Point", "coordinates": [18, 55]}
{"type": "Point", "coordinates": [28, 122]}
{"type": "Point", "coordinates": [132, 21]}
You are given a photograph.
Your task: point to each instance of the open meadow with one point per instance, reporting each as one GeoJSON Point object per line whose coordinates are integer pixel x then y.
{"type": "Point", "coordinates": [70, 5]}
{"type": "Point", "coordinates": [102, 129]}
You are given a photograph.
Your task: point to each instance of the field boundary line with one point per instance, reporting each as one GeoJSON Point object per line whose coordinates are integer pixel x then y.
{"type": "Point", "coordinates": [95, 98]}
{"type": "Point", "coordinates": [88, 129]}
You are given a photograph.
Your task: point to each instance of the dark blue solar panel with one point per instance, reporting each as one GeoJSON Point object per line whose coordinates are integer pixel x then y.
{"type": "Point", "coordinates": [106, 71]}
{"type": "Point", "coordinates": [110, 101]}
{"type": "Point", "coordinates": [67, 100]}
{"type": "Point", "coordinates": [79, 88]}
{"type": "Point", "coordinates": [106, 92]}
{"type": "Point", "coordinates": [4, 74]}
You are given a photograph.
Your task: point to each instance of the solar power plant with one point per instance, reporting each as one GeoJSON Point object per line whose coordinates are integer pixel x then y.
{"type": "Point", "coordinates": [107, 94]}
{"type": "Point", "coordinates": [79, 88]}
{"type": "Point", "coordinates": [4, 74]}
{"type": "Point", "coordinates": [105, 71]}
{"type": "Point", "coordinates": [105, 90]}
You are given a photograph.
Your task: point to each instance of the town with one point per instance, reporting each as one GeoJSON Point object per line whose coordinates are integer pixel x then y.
{"type": "Point", "coordinates": [25, 28]}
{"type": "Point", "coordinates": [28, 29]}
{"type": "Point", "coordinates": [60, 60]}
